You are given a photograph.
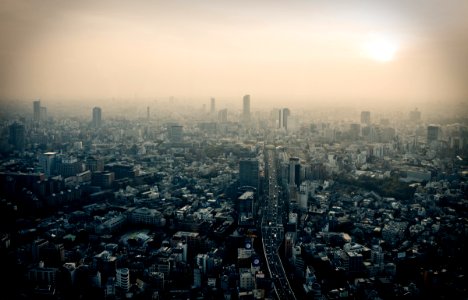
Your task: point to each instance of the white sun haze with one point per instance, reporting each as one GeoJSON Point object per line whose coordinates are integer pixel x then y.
{"type": "Point", "coordinates": [380, 48]}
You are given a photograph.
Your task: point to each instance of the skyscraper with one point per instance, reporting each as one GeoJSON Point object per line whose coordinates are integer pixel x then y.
{"type": "Point", "coordinates": [415, 116]}
{"type": "Point", "coordinates": [246, 108]}
{"type": "Point", "coordinates": [283, 118]}
{"type": "Point", "coordinates": [43, 114]}
{"type": "Point", "coordinates": [294, 171]}
{"type": "Point", "coordinates": [48, 161]}
{"type": "Point", "coordinates": [222, 115]}
{"type": "Point", "coordinates": [365, 117]}
{"type": "Point", "coordinates": [432, 133]}
{"type": "Point", "coordinates": [246, 208]}
{"type": "Point", "coordinates": [176, 133]}
{"type": "Point", "coordinates": [249, 172]}
{"type": "Point", "coordinates": [97, 117]}
{"type": "Point", "coordinates": [213, 106]}
{"type": "Point", "coordinates": [17, 136]}
{"type": "Point", "coordinates": [37, 110]}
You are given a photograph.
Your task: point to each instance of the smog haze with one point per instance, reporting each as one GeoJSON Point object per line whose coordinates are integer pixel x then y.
{"type": "Point", "coordinates": [299, 52]}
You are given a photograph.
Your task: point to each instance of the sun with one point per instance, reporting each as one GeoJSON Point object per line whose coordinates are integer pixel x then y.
{"type": "Point", "coordinates": [380, 49]}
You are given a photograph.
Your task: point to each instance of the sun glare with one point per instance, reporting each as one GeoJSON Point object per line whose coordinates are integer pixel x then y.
{"type": "Point", "coordinates": [380, 49]}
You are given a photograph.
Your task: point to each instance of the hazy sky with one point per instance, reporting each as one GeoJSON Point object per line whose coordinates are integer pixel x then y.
{"type": "Point", "coordinates": [399, 50]}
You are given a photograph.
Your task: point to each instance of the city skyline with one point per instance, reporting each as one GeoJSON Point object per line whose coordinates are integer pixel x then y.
{"type": "Point", "coordinates": [302, 149]}
{"type": "Point", "coordinates": [302, 52]}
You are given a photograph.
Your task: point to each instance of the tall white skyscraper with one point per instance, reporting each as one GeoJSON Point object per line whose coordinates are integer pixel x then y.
{"type": "Point", "coordinates": [246, 108]}
{"type": "Point", "coordinates": [283, 118]}
{"type": "Point", "coordinates": [213, 106]}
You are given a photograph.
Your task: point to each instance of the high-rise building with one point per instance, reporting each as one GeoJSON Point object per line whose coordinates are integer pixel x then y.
{"type": "Point", "coordinates": [97, 117]}
{"type": "Point", "coordinates": [249, 172]}
{"type": "Point", "coordinates": [222, 115]}
{"type": "Point", "coordinates": [294, 171]}
{"type": "Point", "coordinates": [289, 240]}
{"type": "Point", "coordinates": [365, 117]}
{"type": "Point", "coordinates": [355, 130]}
{"type": "Point", "coordinates": [246, 208]}
{"type": "Point", "coordinates": [283, 118]}
{"type": "Point", "coordinates": [246, 108]}
{"type": "Point", "coordinates": [176, 133]}
{"type": "Point", "coordinates": [43, 114]}
{"type": "Point", "coordinates": [147, 112]}
{"type": "Point", "coordinates": [37, 110]}
{"type": "Point", "coordinates": [48, 161]}
{"type": "Point", "coordinates": [123, 278]}
{"type": "Point", "coordinates": [432, 133]}
{"type": "Point", "coordinates": [355, 261]}
{"type": "Point", "coordinates": [213, 106]}
{"type": "Point", "coordinates": [415, 116]}
{"type": "Point", "coordinates": [69, 166]}
{"type": "Point", "coordinates": [246, 281]}
{"type": "Point", "coordinates": [17, 136]}
{"type": "Point", "coordinates": [95, 164]}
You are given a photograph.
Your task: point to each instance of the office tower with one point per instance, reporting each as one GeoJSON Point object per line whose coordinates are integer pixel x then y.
{"type": "Point", "coordinates": [213, 106]}
{"type": "Point", "coordinates": [415, 116]}
{"type": "Point", "coordinates": [246, 208]}
{"type": "Point", "coordinates": [147, 113]}
{"type": "Point", "coordinates": [294, 171]}
{"type": "Point", "coordinates": [175, 133]}
{"type": "Point", "coordinates": [97, 117]}
{"type": "Point", "coordinates": [246, 108]}
{"type": "Point", "coordinates": [103, 179]}
{"type": "Point", "coordinates": [43, 114]}
{"type": "Point", "coordinates": [249, 172]}
{"type": "Point", "coordinates": [283, 118]}
{"type": "Point", "coordinates": [47, 162]}
{"type": "Point", "coordinates": [123, 278]}
{"type": "Point", "coordinates": [432, 133]}
{"type": "Point", "coordinates": [355, 130]}
{"type": "Point", "coordinates": [355, 261]}
{"type": "Point", "coordinates": [280, 118]}
{"type": "Point", "coordinates": [37, 110]}
{"type": "Point", "coordinates": [289, 240]}
{"type": "Point", "coordinates": [222, 116]}
{"type": "Point", "coordinates": [365, 117]}
{"type": "Point", "coordinates": [17, 136]}
{"type": "Point", "coordinates": [197, 277]}
{"type": "Point", "coordinates": [246, 281]}
{"type": "Point", "coordinates": [377, 256]}
{"type": "Point", "coordinates": [69, 166]}
{"type": "Point", "coordinates": [95, 164]}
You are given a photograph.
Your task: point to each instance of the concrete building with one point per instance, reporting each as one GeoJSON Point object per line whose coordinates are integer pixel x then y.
{"type": "Point", "coordinates": [366, 117]}
{"type": "Point", "coordinates": [212, 106]}
{"type": "Point", "coordinates": [47, 161]}
{"type": "Point", "coordinates": [246, 108]}
{"type": "Point", "coordinates": [97, 115]}
{"type": "Point", "coordinates": [37, 111]}
{"type": "Point", "coordinates": [123, 278]}
{"type": "Point", "coordinates": [249, 173]}
{"type": "Point", "coordinates": [17, 136]}
{"type": "Point", "coordinates": [223, 115]}
{"type": "Point", "coordinates": [144, 215]}
{"type": "Point", "coordinates": [246, 208]}
{"type": "Point", "coordinates": [283, 118]}
{"type": "Point", "coordinates": [433, 132]}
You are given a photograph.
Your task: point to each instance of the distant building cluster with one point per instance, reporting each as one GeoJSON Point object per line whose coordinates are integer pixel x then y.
{"type": "Point", "coordinates": [276, 204]}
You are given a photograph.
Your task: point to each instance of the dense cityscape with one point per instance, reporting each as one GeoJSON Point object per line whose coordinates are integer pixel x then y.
{"type": "Point", "coordinates": [187, 202]}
